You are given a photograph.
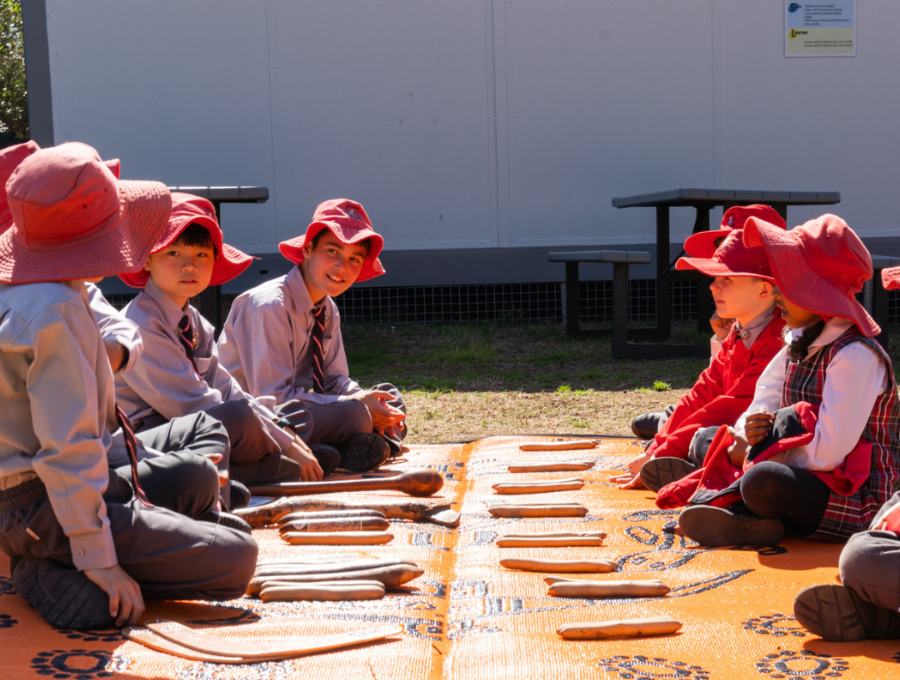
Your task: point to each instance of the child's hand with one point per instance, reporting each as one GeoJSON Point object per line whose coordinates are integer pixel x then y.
{"type": "Point", "coordinates": [758, 427]}
{"type": "Point", "coordinates": [632, 478]}
{"type": "Point", "coordinates": [720, 326]}
{"type": "Point", "coordinates": [891, 517]}
{"type": "Point", "coordinates": [737, 452]}
{"type": "Point", "coordinates": [310, 470]}
{"type": "Point", "coordinates": [383, 414]}
{"type": "Point", "coordinates": [126, 603]}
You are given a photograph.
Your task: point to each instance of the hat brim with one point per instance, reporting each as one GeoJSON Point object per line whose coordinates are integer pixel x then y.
{"type": "Point", "coordinates": [890, 278]}
{"type": "Point", "coordinates": [230, 262]}
{"type": "Point", "coordinates": [292, 249]}
{"type": "Point", "coordinates": [799, 283]}
{"type": "Point", "coordinates": [705, 243]}
{"type": "Point", "coordinates": [712, 268]}
{"type": "Point", "coordinates": [122, 246]}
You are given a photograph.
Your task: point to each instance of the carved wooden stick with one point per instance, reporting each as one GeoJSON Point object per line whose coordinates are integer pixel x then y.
{"type": "Point", "coordinates": [547, 486]}
{"type": "Point", "coordinates": [538, 510]}
{"type": "Point", "coordinates": [390, 576]}
{"type": "Point", "coordinates": [348, 524]}
{"type": "Point", "coordinates": [413, 483]}
{"type": "Point", "coordinates": [330, 567]}
{"type": "Point", "coordinates": [552, 467]}
{"type": "Point", "coordinates": [561, 566]}
{"type": "Point", "coordinates": [441, 514]}
{"type": "Point", "coordinates": [321, 558]}
{"type": "Point", "coordinates": [560, 445]}
{"type": "Point", "coordinates": [609, 629]}
{"type": "Point", "coordinates": [647, 588]}
{"type": "Point", "coordinates": [331, 514]}
{"type": "Point", "coordinates": [338, 537]}
{"type": "Point", "coordinates": [318, 591]}
{"type": "Point", "coordinates": [558, 534]}
{"type": "Point", "coordinates": [550, 542]}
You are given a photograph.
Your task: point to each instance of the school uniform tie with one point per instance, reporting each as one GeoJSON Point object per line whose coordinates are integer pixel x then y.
{"type": "Point", "coordinates": [131, 448]}
{"type": "Point", "coordinates": [187, 338]}
{"type": "Point", "coordinates": [318, 333]}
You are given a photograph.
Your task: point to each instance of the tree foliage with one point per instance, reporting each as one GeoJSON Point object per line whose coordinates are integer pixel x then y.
{"type": "Point", "coordinates": [13, 92]}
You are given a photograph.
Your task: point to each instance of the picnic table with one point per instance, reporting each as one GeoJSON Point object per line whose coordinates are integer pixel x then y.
{"type": "Point", "coordinates": [703, 201]}
{"type": "Point", "coordinates": [211, 299]}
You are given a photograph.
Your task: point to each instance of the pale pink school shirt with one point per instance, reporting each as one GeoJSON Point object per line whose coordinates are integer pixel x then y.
{"type": "Point", "coordinates": [265, 344]}
{"type": "Point", "coordinates": [57, 409]}
{"type": "Point", "coordinates": [164, 381]}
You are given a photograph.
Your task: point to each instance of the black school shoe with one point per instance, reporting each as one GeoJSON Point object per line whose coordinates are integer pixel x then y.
{"type": "Point", "coordinates": [226, 519]}
{"type": "Point", "coordinates": [657, 472]}
{"type": "Point", "coordinates": [64, 596]}
{"type": "Point", "coordinates": [717, 528]}
{"type": "Point", "coordinates": [271, 469]}
{"type": "Point", "coordinates": [364, 451]}
{"type": "Point", "coordinates": [328, 457]}
{"type": "Point", "coordinates": [838, 614]}
{"type": "Point", "coordinates": [646, 425]}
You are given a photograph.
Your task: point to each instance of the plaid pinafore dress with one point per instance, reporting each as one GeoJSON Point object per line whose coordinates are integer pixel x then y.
{"type": "Point", "coordinates": [804, 381]}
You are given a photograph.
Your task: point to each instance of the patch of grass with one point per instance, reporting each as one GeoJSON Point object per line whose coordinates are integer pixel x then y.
{"type": "Point", "coordinates": [661, 386]}
{"type": "Point", "coordinates": [563, 389]}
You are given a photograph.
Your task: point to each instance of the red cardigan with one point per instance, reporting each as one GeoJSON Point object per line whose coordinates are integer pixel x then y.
{"type": "Point", "coordinates": [722, 392]}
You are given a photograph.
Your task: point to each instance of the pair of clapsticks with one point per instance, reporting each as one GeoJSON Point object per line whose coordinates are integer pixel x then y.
{"type": "Point", "coordinates": [552, 539]}
{"type": "Point", "coordinates": [358, 527]}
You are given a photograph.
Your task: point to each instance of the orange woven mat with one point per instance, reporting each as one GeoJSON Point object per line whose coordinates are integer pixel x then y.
{"type": "Point", "coordinates": [467, 617]}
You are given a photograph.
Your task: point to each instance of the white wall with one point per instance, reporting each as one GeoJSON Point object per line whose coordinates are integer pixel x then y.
{"type": "Point", "coordinates": [478, 123]}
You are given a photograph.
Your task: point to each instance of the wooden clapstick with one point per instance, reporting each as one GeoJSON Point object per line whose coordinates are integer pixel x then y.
{"type": "Point", "coordinates": [351, 565]}
{"type": "Point", "coordinates": [561, 566]}
{"type": "Point", "coordinates": [352, 582]}
{"type": "Point", "coordinates": [390, 576]}
{"type": "Point", "coordinates": [610, 629]}
{"type": "Point", "coordinates": [538, 510]}
{"type": "Point", "coordinates": [564, 445]}
{"type": "Point", "coordinates": [320, 558]}
{"type": "Point", "coordinates": [320, 591]}
{"type": "Point", "coordinates": [647, 588]}
{"type": "Point", "coordinates": [558, 534]}
{"type": "Point", "coordinates": [547, 486]}
{"type": "Point", "coordinates": [334, 525]}
{"type": "Point", "coordinates": [338, 537]}
{"type": "Point", "coordinates": [551, 542]}
{"type": "Point", "coordinates": [552, 467]}
{"type": "Point", "coordinates": [330, 514]}
{"type": "Point", "coordinates": [441, 514]}
{"type": "Point", "coordinates": [255, 651]}
{"type": "Point", "coordinates": [413, 483]}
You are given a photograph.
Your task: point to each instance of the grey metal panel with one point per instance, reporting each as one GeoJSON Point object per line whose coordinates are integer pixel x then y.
{"type": "Point", "coordinates": [609, 256]}
{"type": "Point", "coordinates": [37, 71]}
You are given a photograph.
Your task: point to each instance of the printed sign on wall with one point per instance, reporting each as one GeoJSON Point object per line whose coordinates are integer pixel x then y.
{"type": "Point", "coordinates": [820, 29]}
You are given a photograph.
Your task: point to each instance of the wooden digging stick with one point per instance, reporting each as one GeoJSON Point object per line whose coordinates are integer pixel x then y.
{"type": "Point", "coordinates": [338, 537]}
{"type": "Point", "coordinates": [538, 510]}
{"type": "Point", "coordinates": [412, 483]}
{"type": "Point", "coordinates": [552, 467]}
{"type": "Point", "coordinates": [561, 566]}
{"type": "Point", "coordinates": [318, 591]}
{"type": "Point", "coordinates": [551, 542]}
{"type": "Point", "coordinates": [441, 514]}
{"type": "Point", "coordinates": [647, 588]}
{"type": "Point", "coordinates": [547, 486]}
{"type": "Point", "coordinates": [349, 524]}
{"type": "Point", "coordinates": [609, 629]}
{"type": "Point", "coordinates": [560, 445]}
{"type": "Point", "coordinates": [255, 651]}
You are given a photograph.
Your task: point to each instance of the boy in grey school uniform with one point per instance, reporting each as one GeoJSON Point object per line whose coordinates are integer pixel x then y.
{"type": "Point", "coordinates": [283, 338]}
{"type": "Point", "coordinates": [179, 372]}
{"type": "Point", "coordinates": [86, 545]}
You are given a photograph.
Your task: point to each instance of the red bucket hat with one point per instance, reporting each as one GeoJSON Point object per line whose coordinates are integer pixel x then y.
{"type": "Point", "coordinates": [820, 266]}
{"type": "Point", "coordinates": [705, 243]}
{"type": "Point", "coordinates": [348, 221]}
{"type": "Point", "coordinates": [890, 278]}
{"type": "Point", "coordinates": [73, 219]}
{"type": "Point", "coordinates": [732, 258]}
{"type": "Point", "coordinates": [10, 158]}
{"type": "Point", "coordinates": [187, 210]}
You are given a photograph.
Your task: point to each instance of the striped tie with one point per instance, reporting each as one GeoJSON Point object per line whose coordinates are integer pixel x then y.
{"type": "Point", "coordinates": [131, 447]}
{"type": "Point", "coordinates": [318, 333]}
{"type": "Point", "coordinates": [187, 338]}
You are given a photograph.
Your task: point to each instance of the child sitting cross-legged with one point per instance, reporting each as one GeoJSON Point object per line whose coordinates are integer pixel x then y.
{"type": "Point", "coordinates": [179, 371]}
{"type": "Point", "coordinates": [742, 290]}
{"type": "Point", "coordinates": [817, 453]}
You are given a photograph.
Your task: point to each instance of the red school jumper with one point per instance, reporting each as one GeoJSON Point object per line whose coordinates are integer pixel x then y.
{"type": "Point", "coordinates": [722, 392]}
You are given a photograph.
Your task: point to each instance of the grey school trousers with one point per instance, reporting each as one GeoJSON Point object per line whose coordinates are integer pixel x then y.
{"type": "Point", "coordinates": [870, 563]}
{"type": "Point", "coordinates": [172, 557]}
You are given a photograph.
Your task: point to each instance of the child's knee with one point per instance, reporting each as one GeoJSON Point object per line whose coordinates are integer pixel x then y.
{"type": "Point", "coordinates": [758, 488]}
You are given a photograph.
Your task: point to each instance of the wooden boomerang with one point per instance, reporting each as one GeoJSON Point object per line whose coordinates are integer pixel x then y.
{"type": "Point", "coordinates": [413, 483]}
{"type": "Point", "coordinates": [259, 650]}
{"type": "Point", "coordinates": [560, 446]}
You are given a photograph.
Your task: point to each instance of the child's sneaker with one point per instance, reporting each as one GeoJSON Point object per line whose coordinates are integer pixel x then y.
{"type": "Point", "coordinates": [64, 596]}
{"type": "Point", "coordinates": [328, 457]}
{"type": "Point", "coordinates": [646, 425]}
{"type": "Point", "coordinates": [717, 528]}
{"type": "Point", "coordinates": [838, 614]}
{"type": "Point", "coordinates": [657, 472]}
{"type": "Point", "coordinates": [364, 451]}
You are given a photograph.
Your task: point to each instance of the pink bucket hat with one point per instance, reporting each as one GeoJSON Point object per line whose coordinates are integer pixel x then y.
{"type": "Point", "coordinates": [890, 278]}
{"type": "Point", "coordinates": [73, 219]}
{"type": "Point", "coordinates": [732, 258]}
{"type": "Point", "coordinates": [705, 243]}
{"type": "Point", "coordinates": [348, 221]}
{"type": "Point", "coordinates": [10, 158]}
{"type": "Point", "coordinates": [820, 266]}
{"type": "Point", "coordinates": [187, 210]}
